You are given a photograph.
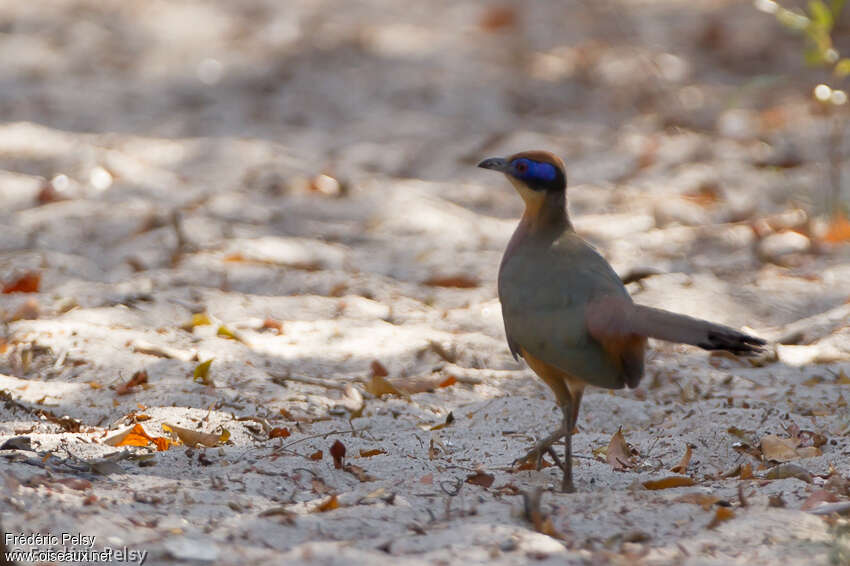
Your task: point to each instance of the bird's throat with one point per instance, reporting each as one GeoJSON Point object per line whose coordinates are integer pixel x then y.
{"type": "Point", "coordinates": [545, 211]}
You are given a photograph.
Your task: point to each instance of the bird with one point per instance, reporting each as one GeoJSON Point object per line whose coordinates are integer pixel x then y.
{"type": "Point", "coordinates": [568, 314]}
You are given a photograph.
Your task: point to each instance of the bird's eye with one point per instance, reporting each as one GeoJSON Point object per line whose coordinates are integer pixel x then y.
{"type": "Point", "coordinates": [521, 166]}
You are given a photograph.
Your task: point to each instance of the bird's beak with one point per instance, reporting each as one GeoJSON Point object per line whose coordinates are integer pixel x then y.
{"type": "Point", "coordinates": [494, 163]}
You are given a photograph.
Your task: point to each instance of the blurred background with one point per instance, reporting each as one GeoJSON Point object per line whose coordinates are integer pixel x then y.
{"type": "Point", "coordinates": [328, 148]}
{"type": "Point", "coordinates": [289, 188]}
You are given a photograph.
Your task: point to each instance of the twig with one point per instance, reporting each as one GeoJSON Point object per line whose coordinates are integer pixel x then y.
{"type": "Point", "coordinates": [475, 376]}
{"type": "Point", "coordinates": [322, 435]}
{"type": "Point", "coordinates": [281, 380]}
{"type": "Point", "coordinates": [809, 329]}
{"type": "Point", "coordinates": [144, 347]}
{"type": "Point", "coordinates": [842, 508]}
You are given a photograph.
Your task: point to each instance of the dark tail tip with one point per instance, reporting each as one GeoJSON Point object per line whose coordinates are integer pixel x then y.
{"type": "Point", "coordinates": [735, 342]}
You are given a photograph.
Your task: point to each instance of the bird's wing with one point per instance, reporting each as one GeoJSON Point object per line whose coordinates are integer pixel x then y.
{"type": "Point", "coordinates": [545, 293]}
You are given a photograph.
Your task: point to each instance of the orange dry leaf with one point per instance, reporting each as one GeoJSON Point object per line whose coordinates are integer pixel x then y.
{"type": "Point", "coordinates": [483, 479]}
{"type": "Point", "coordinates": [279, 432]}
{"type": "Point", "coordinates": [448, 382]}
{"type": "Point", "coordinates": [838, 231]}
{"type": "Point", "coordinates": [530, 464]}
{"type": "Point", "coordinates": [667, 483]}
{"type": "Point", "coordinates": [619, 455]}
{"type": "Point", "coordinates": [27, 283]}
{"type": "Point", "coordinates": [316, 455]}
{"type": "Point", "coordinates": [329, 505]}
{"type": "Point", "coordinates": [272, 324]}
{"type": "Point", "coordinates": [746, 471]}
{"type": "Point", "coordinates": [682, 467]}
{"type": "Point", "coordinates": [373, 452]}
{"type": "Point", "coordinates": [136, 436]}
{"type": "Point", "coordinates": [722, 514]}
{"type": "Point", "coordinates": [139, 378]}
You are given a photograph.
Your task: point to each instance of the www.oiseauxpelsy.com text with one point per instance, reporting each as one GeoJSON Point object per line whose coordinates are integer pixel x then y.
{"type": "Point", "coordinates": [66, 547]}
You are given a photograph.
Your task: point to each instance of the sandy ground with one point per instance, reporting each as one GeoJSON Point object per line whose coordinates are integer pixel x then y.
{"type": "Point", "coordinates": [289, 190]}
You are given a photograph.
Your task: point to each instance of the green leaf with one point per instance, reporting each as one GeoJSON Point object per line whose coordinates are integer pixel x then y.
{"type": "Point", "coordinates": [202, 372]}
{"type": "Point", "coordinates": [813, 56]}
{"type": "Point", "coordinates": [842, 68]}
{"type": "Point", "coordinates": [821, 15]}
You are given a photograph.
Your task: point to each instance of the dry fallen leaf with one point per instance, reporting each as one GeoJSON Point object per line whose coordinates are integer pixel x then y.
{"type": "Point", "coordinates": [373, 452]}
{"type": "Point", "coordinates": [329, 505]}
{"type": "Point", "coordinates": [704, 500]}
{"type": "Point", "coordinates": [29, 282]}
{"type": "Point", "coordinates": [530, 464]}
{"type": "Point", "coordinates": [379, 386]}
{"type": "Point", "coordinates": [481, 478]}
{"type": "Point", "coordinates": [279, 432]}
{"type": "Point", "coordinates": [225, 332]}
{"type": "Point", "coordinates": [319, 487]}
{"type": "Point", "coordinates": [838, 230]}
{"type": "Point", "coordinates": [338, 453]}
{"type": "Point", "coordinates": [194, 438]}
{"type": "Point", "coordinates": [746, 471]}
{"type": "Point", "coordinates": [136, 436]}
{"type": "Point", "coordinates": [784, 471]}
{"type": "Point", "coordinates": [722, 514]}
{"type": "Point", "coordinates": [272, 324]}
{"type": "Point", "coordinates": [669, 482]}
{"type": "Point", "coordinates": [448, 382]}
{"type": "Point", "coordinates": [358, 472]}
{"type": "Point", "coordinates": [619, 455]}
{"type": "Point", "coordinates": [198, 319]}
{"type": "Point", "coordinates": [456, 281]}
{"type": "Point", "coordinates": [818, 497]}
{"type": "Point", "coordinates": [778, 449]}
{"type": "Point", "coordinates": [316, 455]}
{"type": "Point", "coordinates": [378, 369]}
{"type": "Point", "coordinates": [450, 418]}
{"type": "Point", "coordinates": [139, 378]}
{"type": "Point", "coordinates": [682, 467]}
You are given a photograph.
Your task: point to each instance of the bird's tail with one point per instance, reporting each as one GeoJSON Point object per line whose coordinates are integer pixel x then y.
{"type": "Point", "coordinates": [672, 327]}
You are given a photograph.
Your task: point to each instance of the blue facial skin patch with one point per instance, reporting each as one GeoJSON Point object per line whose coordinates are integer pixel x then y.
{"type": "Point", "coordinates": [529, 170]}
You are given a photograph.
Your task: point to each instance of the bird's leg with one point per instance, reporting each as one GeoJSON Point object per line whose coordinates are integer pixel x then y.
{"type": "Point", "coordinates": [569, 414]}
{"type": "Point", "coordinates": [540, 448]}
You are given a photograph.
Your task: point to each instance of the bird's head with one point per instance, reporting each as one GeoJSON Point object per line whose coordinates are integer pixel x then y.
{"type": "Point", "coordinates": [534, 174]}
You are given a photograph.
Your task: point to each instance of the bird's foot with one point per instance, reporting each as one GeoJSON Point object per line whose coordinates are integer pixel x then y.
{"type": "Point", "coordinates": [535, 455]}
